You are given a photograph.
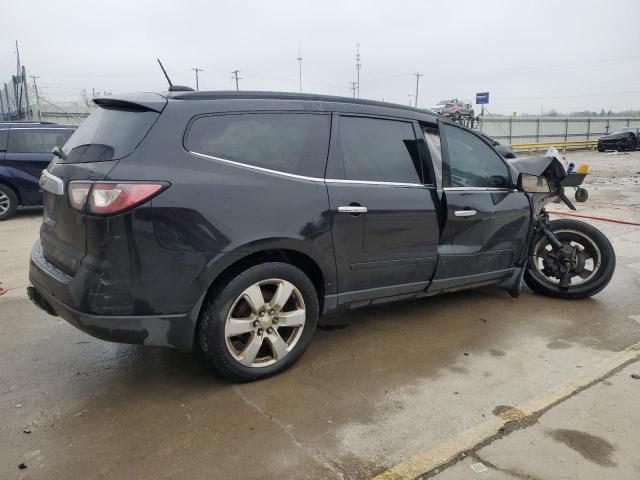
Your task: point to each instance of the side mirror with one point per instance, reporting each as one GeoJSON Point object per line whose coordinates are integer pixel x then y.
{"type": "Point", "coordinates": [533, 184]}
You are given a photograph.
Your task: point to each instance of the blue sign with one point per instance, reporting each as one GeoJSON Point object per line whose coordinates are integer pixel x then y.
{"type": "Point", "coordinates": [482, 98]}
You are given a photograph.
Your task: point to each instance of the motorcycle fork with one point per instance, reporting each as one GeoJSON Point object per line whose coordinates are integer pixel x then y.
{"type": "Point", "coordinates": [565, 255]}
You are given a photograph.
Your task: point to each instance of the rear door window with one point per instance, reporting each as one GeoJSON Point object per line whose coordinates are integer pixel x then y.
{"type": "Point", "coordinates": [286, 142]}
{"type": "Point", "coordinates": [379, 150]}
{"type": "Point", "coordinates": [109, 134]}
{"type": "Point", "coordinates": [37, 140]}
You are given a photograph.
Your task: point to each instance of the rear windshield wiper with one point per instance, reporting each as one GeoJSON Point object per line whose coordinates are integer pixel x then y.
{"type": "Point", "coordinates": [59, 153]}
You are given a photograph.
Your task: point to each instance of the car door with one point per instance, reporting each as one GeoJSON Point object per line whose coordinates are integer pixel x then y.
{"type": "Point", "coordinates": [485, 220]}
{"type": "Point", "coordinates": [4, 134]}
{"type": "Point", "coordinates": [28, 153]}
{"type": "Point", "coordinates": [384, 225]}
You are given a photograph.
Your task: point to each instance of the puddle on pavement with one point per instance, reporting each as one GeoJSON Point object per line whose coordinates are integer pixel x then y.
{"type": "Point", "coordinates": [591, 447]}
{"type": "Point", "coordinates": [558, 345]}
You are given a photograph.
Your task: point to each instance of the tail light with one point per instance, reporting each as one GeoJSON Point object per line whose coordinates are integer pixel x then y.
{"type": "Point", "coordinates": [78, 193]}
{"type": "Point", "coordinates": [110, 198]}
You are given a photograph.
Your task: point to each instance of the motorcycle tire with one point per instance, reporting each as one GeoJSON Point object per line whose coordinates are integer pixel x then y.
{"type": "Point", "coordinates": [596, 245]}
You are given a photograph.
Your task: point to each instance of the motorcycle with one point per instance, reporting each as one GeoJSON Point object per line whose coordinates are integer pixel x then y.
{"type": "Point", "coordinates": [566, 258]}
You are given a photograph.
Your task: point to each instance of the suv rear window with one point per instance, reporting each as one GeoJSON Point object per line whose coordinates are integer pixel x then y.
{"type": "Point", "coordinates": [36, 140]}
{"type": "Point", "coordinates": [108, 134]}
{"type": "Point", "coordinates": [287, 142]}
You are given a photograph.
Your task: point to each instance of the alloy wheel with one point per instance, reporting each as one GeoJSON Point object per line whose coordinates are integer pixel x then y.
{"type": "Point", "coordinates": [5, 203]}
{"type": "Point", "coordinates": [265, 323]}
{"type": "Point", "coordinates": [585, 264]}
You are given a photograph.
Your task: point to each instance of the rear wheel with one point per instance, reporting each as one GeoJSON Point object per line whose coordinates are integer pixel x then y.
{"type": "Point", "coordinates": [586, 256]}
{"type": "Point", "coordinates": [631, 146]}
{"type": "Point", "coordinates": [8, 202]}
{"type": "Point", "coordinates": [259, 323]}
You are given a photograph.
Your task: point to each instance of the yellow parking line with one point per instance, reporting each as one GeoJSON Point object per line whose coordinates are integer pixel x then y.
{"type": "Point", "coordinates": [447, 451]}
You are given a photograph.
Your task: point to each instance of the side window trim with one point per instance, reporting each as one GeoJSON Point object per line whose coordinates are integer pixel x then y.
{"type": "Point", "coordinates": [446, 166]}
{"type": "Point", "coordinates": [336, 158]}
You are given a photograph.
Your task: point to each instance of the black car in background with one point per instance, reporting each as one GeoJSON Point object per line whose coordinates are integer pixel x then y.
{"type": "Point", "coordinates": [504, 150]}
{"type": "Point", "coordinates": [620, 139]}
{"type": "Point", "coordinates": [25, 150]}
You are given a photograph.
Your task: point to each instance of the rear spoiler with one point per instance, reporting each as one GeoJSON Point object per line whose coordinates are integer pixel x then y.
{"type": "Point", "coordinates": [135, 102]}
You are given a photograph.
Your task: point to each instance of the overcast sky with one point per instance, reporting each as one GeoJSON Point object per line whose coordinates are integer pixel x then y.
{"type": "Point", "coordinates": [564, 55]}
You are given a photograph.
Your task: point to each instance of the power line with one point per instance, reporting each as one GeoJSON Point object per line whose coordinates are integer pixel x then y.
{"type": "Point", "coordinates": [235, 76]}
{"type": "Point", "coordinates": [196, 69]}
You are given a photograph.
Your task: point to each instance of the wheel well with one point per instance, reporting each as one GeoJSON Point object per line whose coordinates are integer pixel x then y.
{"type": "Point", "coordinates": [300, 260]}
{"type": "Point", "coordinates": [12, 187]}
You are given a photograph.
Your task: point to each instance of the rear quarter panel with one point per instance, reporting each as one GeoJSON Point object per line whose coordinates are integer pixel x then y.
{"type": "Point", "coordinates": [215, 212]}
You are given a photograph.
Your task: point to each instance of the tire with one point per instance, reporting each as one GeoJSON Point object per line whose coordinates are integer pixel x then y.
{"type": "Point", "coordinates": [8, 202]}
{"type": "Point", "coordinates": [631, 146]}
{"type": "Point", "coordinates": [544, 285]}
{"type": "Point", "coordinates": [581, 195]}
{"type": "Point", "coordinates": [228, 353]}
{"type": "Point", "coordinates": [600, 148]}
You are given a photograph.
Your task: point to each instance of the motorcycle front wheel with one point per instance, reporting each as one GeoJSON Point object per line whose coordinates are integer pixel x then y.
{"type": "Point", "coordinates": [592, 262]}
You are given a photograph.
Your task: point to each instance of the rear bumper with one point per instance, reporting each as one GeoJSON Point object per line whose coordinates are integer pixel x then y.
{"type": "Point", "coordinates": [49, 284]}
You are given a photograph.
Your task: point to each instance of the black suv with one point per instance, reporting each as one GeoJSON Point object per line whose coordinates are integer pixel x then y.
{"type": "Point", "coordinates": [229, 221]}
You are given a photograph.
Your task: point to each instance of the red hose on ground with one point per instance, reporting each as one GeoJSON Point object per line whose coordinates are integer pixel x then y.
{"type": "Point", "coordinates": [592, 217]}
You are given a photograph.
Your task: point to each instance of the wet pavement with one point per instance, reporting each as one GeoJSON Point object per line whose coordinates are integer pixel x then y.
{"type": "Point", "coordinates": [397, 380]}
{"type": "Point", "coordinates": [591, 436]}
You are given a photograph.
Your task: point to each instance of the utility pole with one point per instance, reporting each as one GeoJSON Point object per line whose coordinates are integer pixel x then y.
{"type": "Point", "coordinates": [411, 97]}
{"type": "Point", "coordinates": [196, 69]}
{"type": "Point", "coordinates": [354, 88]}
{"type": "Point", "coordinates": [235, 75]}
{"type": "Point", "coordinates": [35, 87]}
{"type": "Point", "coordinates": [25, 89]}
{"type": "Point", "coordinates": [358, 65]}
{"type": "Point", "coordinates": [418, 75]}
{"type": "Point", "coordinates": [300, 68]}
{"type": "Point", "coordinates": [15, 79]}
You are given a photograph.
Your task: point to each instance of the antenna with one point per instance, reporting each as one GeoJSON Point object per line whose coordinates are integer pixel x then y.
{"type": "Point", "coordinates": [172, 87]}
{"type": "Point", "coordinates": [165, 74]}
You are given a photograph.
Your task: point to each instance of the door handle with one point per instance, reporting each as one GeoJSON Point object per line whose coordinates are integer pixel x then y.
{"type": "Point", "coordinates": [465, 213]}
{"type": "Point", "coordinates": [353, 209]}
